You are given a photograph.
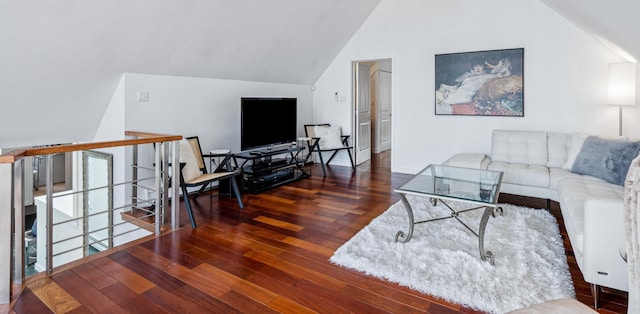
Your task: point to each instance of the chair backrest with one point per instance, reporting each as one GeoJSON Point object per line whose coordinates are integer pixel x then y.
{"type": "Point", "coordinates": [330, 137]}
{"type": "Point", "coordinates": [194, 142]}
{"type": "Point", "coordinates": [310, 129]}
{"type": "Point", "coordinates": [191, 156]}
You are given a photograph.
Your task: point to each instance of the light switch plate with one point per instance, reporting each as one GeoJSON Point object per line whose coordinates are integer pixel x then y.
{"type": "Point", "coordinates": [143, 96]}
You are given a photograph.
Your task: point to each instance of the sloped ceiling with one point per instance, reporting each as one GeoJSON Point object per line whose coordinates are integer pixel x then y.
{"type": "Point", "coordinates": [614, 22]}
{"type": "Point", "coordinates": [60, 61]}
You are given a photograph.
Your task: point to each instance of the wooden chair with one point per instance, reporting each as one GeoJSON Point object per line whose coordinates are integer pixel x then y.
{"type": "Point", "coordinates": [324, 138]}
{"type": "Point", "coordinates": [193, 172]}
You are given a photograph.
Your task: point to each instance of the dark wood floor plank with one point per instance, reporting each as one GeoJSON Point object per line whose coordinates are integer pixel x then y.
{"type": "Point", "coordinates": [328, 295]}
{"type": "Point", "coordinates": [86, 294]}
{"type": "Point", "coordinates": [93, 275]}
{"type": "Point", "coordinates": [287, 289]}
{"type": "Point", "coordinates": [155, 275]}
{"type": "Point", "coordinates": [354, 278]}
{"type": "Point", "coordinates": [30, 303]}
{"type": "Point", "coordinates": [124, 275]}
{"type": "Point", "coordinates": [209, 286]}
{"type": "Point", "coordinates": [378, 301]}
{"type": "Point", "coordinates": [245, 303]}
{"type": "Point", "coordinates": [204, 301]}
{"type": "Point", "coordinates": [170, 247]}
{"type": "Point", "coordinates": [283, 305]}
{"type": "Point", "coordinates": [291, 268]}
{"type": "Point", "coordinates": [271, 256]}
{"type": "Point", "coordinates": [177, 302]}
{"type": "Point", "coordinates": [133, 302]}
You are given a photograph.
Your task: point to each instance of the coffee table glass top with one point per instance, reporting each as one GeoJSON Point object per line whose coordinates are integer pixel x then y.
{"type": "Point", "coordinates": [475, 185]}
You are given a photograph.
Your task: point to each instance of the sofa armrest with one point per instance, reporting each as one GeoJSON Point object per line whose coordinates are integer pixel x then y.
{"type": "Point", "coordinates": [468, 160]}
{"type": "Point", "coordinates": [604, 232]}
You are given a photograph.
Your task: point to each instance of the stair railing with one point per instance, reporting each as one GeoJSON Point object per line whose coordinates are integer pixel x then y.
{"type": "Point", "coordinates": [152, 179]}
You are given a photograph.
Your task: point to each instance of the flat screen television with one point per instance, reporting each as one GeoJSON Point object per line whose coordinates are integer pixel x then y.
{"type": "Point", "coordinates": [267, 121]}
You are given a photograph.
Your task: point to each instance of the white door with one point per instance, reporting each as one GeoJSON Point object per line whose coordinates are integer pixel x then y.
{"type": "Point", "coordinates": [383, 116]}
{"type": "Point", "coordinates": [363, 114]}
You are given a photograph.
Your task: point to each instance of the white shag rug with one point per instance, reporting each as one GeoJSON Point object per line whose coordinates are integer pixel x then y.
{"type": "Point", "coordinates": [442, 258]}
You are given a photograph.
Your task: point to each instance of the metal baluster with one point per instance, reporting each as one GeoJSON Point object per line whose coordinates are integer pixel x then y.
{"type": "Point", "coordinates": [134, 174]}
{"type": "Point", "coordinates": [165, 179]}
{"type": "Point", "coordinates": [157, 187]}
{"type": "Point", "coordinates": [49, 214]}
{"type": "Point", "coordinates": [175, 175]}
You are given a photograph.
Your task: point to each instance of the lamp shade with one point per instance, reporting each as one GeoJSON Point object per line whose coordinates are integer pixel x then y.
{"type": "Point", "coordinates": [622, 84]}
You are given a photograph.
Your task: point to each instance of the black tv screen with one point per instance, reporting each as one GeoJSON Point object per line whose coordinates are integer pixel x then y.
{"type": "Point", "coordinates": [267, 121]}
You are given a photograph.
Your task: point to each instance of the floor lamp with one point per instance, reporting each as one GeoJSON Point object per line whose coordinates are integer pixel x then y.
{"type": "Point", "coordinates": [622, 87]}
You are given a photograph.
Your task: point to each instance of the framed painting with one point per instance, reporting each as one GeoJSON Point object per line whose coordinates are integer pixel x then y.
{"type": "Point", "coordinates": [480, 83]}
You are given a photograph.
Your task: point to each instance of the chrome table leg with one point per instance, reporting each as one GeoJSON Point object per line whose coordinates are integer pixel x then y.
{"type": "Point", "coordinates": [488, 211]}
{"type": "Point", "coordinates": [401, 235]}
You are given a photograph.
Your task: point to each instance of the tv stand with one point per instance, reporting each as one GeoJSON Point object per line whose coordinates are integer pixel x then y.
{"type": "Point", "coordinates": [264, 169]}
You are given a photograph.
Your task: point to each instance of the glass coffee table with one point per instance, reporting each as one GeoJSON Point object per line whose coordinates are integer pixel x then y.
{"type": "Point", "coordinates": [477, 188]}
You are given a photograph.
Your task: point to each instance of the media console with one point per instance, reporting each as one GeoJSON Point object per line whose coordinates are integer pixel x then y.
{"type": "Point", "coordinates": [264, 169]}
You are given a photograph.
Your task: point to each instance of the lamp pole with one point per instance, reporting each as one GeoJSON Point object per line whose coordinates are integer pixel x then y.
{"type": "Point", "coordinates": [619, 120]}
{"type": "Point", "coordinates": [622, 87]}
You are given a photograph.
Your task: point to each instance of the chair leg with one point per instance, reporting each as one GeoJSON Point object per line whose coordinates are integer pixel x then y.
{"type": "Point", "coordinates": [332, 155]}
{"type": "Point", "coordinates": [324, 172]}
{"type": "Point", "coordinates": [595, 293]}
{"type": "Point", "coordinates": [204, 186]}
{"type": "Point", "coordinates": [236, 191]}
{"type": "Point", "coordinates": [188, 204]}
{"type": "Point", "coordinates": [353, 165]}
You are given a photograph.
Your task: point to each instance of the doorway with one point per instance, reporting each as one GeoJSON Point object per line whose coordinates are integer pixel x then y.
{"type": "Point", "coordinates": [372, 108]}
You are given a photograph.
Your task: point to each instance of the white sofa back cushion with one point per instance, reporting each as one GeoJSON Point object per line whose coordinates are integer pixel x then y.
{"type": "Point", "coordinates": [558, 145]}
{"type": "Point", "coordinates": [523, 147]}
{"type": "Point", "coordinates": [575, 145]}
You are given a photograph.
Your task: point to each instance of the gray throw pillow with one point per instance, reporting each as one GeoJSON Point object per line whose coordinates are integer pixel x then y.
{"type": "Point", "coordinates": [607, 159]}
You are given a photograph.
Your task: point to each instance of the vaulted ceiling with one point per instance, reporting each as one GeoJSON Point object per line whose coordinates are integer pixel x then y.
{"type": "Point", "coordinates": [614, 22]}
{"type": "Point", "coordinates": [60, 61]}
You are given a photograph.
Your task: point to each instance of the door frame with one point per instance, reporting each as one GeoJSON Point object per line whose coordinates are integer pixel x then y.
{"type": "Point", "coordinates": [355, 100]}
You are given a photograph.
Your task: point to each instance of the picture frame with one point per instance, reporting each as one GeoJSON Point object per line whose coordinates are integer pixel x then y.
{"type": "Point", "coordinates": [480, 83]}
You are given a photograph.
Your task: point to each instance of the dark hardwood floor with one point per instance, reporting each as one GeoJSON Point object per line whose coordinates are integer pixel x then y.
{"type": "Point", "coordinates": [270, 257]}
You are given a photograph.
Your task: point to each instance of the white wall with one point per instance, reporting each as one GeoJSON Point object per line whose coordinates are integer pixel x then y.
{"type": "Point", "coordinates": [208, 108]}
{"type": "Point", "coordinates": [565, 74]}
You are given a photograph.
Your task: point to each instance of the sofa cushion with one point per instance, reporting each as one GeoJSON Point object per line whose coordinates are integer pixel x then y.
{"type": "Point", "coordinates": [522, 174]}
{"type": "Point", "coordinates": [572, 195]}
{"type": "Point", "coordinates": [520, 147]}
{"type": "Point", "coordinates": [607, 159]}
{"type": "Point", "coordinates": [468, 160]}
{"type": "Point", "coordinates": [557, 174]}
{"type": "Point", "coordinates": [558, 147]}
{"type": "Point", "coordinates": [330, 136]}
{"type": "Point", "coordinates": [575, 145]}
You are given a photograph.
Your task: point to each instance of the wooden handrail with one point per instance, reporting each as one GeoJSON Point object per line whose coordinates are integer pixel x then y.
{"type": "Point", "coordinates": [143, 138]}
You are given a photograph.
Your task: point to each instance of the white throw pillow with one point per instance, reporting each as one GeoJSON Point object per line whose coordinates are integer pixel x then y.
{"type": "Point", "coordinates": [191, 170]}
{"type": "Point", "coordinates": [330, 136]}
{"type": "Point", "coordinates": [577, 139]}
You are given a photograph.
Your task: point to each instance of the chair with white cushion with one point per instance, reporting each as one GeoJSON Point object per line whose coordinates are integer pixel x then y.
{"type": "Point", "coordinates": [193, 173]}
{"type": "Point", "coordinates": [326, 138]}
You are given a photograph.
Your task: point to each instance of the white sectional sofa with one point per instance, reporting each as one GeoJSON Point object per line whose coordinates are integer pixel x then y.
{"type": "Point", "coordinates": [538, 164]}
